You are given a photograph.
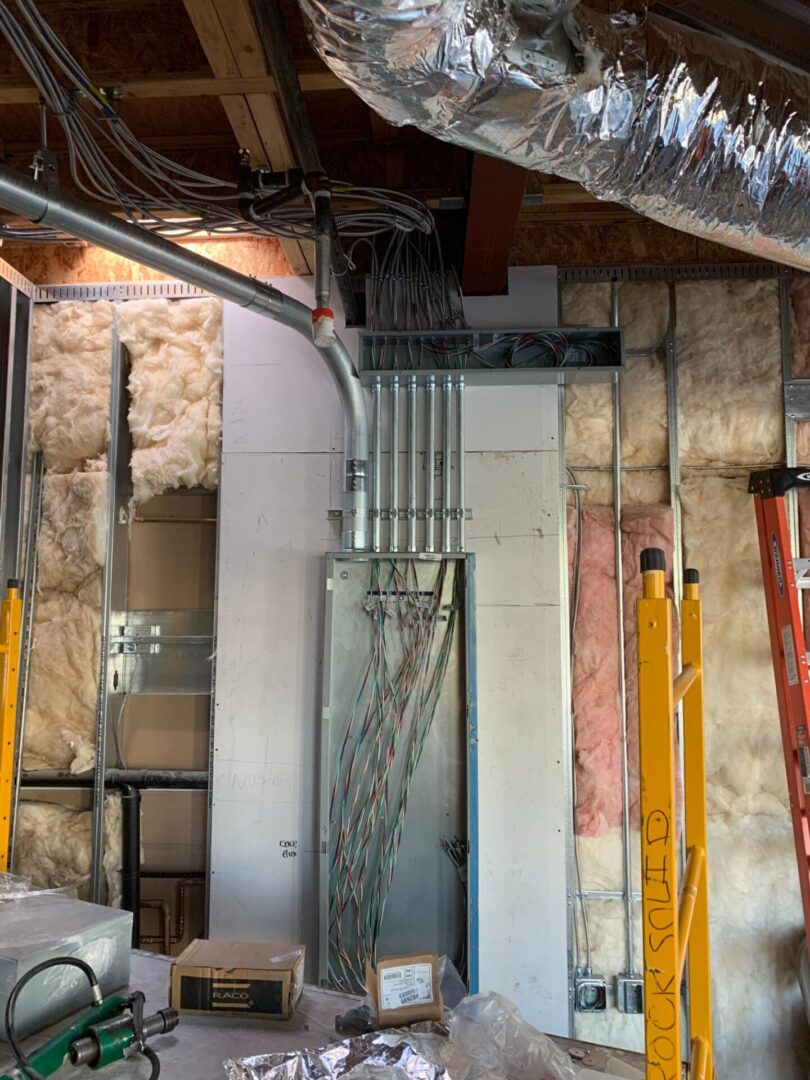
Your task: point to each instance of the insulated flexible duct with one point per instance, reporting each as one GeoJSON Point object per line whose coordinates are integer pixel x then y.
{"type": "Point", "coordinates": [26, 197]}
{"type": "Point", "coordinates": [688, 129]}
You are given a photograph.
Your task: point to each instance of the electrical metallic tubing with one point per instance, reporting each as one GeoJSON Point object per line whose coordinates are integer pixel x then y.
{"type": "Point", "coordinates": [627, 865]}
{"type": "Point", "coordinates": [393, 514]}
{"type": "Point", "coordinates": [627, 868]}
{"type": "Point", "coordinates": [448, 452]}
{"type": "Point", "coordinates": [430, 464]}
{"type": "Point", "coordinates": [462, 504]}
{"type": "Point", "coordinates": [412, 402]}
{"type": "Point", "coordinates": [376, 489]}
{"type": "Point", "coordinates": [27, 198]}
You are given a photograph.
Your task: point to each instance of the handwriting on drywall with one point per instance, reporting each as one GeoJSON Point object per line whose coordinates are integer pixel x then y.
{"type": "Point", "coordinates": [251, 780]}
{"type": "Point", "coordinates": [661, 988]}
{"type": "Point", "coordinates": [288, 848]}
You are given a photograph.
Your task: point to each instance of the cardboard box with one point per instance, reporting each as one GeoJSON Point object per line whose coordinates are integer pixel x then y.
{"type": "Point", "coordinates": [405, 989]}
{"type": "Point", "coordinates": [238, 978]}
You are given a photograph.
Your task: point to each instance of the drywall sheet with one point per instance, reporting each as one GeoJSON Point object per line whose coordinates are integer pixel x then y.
{"type": "Point", "coordinates": [281, 471]}
{"type": "Point", "coordinates": [69, 402]}
{"type": "Point", "coordinates": [175, 387]}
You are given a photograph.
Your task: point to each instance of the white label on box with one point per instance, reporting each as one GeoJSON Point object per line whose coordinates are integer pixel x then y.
{"type": "Point", "coordinates": [401, 987]}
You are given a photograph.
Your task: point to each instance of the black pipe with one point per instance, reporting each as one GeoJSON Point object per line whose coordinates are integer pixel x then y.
{"type": "Point", "coordinates": [131, 856]}
{"type": "Point", "coordinates": [275, 42]}
{"type": "Point", "coordinates": [139, 778]}
{"type": "Point", "coordinates": [170, 875]}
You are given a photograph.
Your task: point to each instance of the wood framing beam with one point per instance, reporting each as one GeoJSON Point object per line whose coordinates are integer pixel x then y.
{"type": "Point", "coordinates": [188, 86]}
{"type": "Point", "coordinates": [496, 195]}
{"type": "Point", "coordinates": [233, 48]}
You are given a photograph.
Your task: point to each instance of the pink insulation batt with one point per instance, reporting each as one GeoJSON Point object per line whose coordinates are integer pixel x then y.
{"type": "Point", "coordinates": [595, 690]}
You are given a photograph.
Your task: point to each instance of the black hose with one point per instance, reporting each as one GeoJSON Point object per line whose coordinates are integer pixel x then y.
{"type": "Point", "coordinates": [22, 1062]}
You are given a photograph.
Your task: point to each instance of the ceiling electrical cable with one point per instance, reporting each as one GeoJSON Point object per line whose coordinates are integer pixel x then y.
{"type": "Point", "coordinates": [110, 165]}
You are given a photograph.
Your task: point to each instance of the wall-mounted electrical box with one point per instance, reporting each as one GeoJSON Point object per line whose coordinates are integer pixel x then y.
{"type": "Point", "coordinates": [488, 357]}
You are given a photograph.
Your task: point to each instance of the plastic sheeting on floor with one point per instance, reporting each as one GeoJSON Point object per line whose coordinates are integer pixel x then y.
{"type": "Point", "coordinates": [730, 414]}
{"type": "Point", "coordinates": [175, 386]}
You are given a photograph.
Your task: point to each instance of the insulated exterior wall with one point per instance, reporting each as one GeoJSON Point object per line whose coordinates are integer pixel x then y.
{"type": "Point", "coordinates": [69, 420]}
{"type": "Point", "coordinates": [730, 417]}
{"type": "Point", "coordinates": [175, 387]}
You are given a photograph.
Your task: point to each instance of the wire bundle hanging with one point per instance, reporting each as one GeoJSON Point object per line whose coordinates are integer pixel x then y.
{"type": "Point", "coordinates": [412, 632]}
{"type": "Point", "coordinates": [109, 164]}
{"type": "Point", "coordinates": [409, 287]}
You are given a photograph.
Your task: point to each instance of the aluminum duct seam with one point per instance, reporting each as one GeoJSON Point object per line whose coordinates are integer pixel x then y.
{"type": "Point", "coordinates": [685, 128]}
{"type": "Point", "coordinates": [27, 198]}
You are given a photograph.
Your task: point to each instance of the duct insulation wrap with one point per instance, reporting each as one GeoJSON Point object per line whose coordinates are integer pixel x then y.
{"type": "Point", "coordinates": [175, 387]}
{"type": "Point", "coordinates": [686, 128]}
{"type": "Point", "coordinates": [730, 418]}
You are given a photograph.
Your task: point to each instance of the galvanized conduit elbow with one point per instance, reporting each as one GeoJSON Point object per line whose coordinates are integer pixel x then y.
{"type": "Point", "coordinates": [26, 197]}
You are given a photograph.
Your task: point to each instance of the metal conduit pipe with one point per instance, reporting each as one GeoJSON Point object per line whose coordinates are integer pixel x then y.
{"type": "Point", "coordinates": [329, 250]}
{"type": "Point", "coordinates": [430, 464]}
{"type": "Point", "coordinates": [412, 463]}
{"type": "Point", "coordinates": [393, 528]}
{"type": "Point", "coordinates": [30, 200]}
{"type": "Point", "coordinates": [447, 512]}
{"type": "Point", "coordinates": [376, 482]}
{"type": "Point", "coordinates": [460, 450]}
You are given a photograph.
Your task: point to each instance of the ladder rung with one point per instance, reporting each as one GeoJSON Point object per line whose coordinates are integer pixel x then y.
{"type": "Point", "coordinates": [683, 682]}
{"type": "Point", "coordinates": [692, 877]}
{"type": "Point", "coordinates": [801, 568]}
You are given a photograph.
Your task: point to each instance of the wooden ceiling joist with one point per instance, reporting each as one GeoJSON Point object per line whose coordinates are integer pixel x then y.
{"type": "Point", "coordinates": [187, 86]}
{"type": "Point", "coordinates": [233, 49]}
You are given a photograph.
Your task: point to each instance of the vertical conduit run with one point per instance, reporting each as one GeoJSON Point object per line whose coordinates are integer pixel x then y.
{"type": "Point", "coordinates": [29, 601]}
{"type": "Point", "coordinates": [430, 464]}
{"type": "Point", "coordinates": [446, 461]}
{"type": "Point", "coordinates": [393, 518]}
{"type": "Point", "coordinates": [462, 502]}
{"type": "Point", "coordinates": [412, 403]}
{"type": "Point", "coordinates": [786, 350]}
{"type": "Point", "coordinates": [627, 867]}
{"type": "Point", "coordinates": [376, 491]}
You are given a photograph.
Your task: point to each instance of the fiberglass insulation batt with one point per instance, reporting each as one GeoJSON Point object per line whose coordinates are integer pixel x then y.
{"type": "Point", "coordinates": [175, 387]}
{"type": "Point", "coordinates": [69, 395]}
{"type": "Point", "coordinates": [730, 416]}
{"type": "Point", "coordinates": [69, 418]}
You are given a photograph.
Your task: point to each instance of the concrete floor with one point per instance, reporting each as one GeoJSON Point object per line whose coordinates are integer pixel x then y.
{"type": "Point", "coordinates": [196, 1049]}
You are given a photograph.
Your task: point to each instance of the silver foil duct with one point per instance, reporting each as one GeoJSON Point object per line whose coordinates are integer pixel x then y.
{"type": "Point", "coordinates": [685, 128]}
{"type": "Point", "coordinates": [360, 1057]}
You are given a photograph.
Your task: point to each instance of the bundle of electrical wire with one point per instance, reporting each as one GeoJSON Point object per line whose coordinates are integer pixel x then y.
{"type": "Point", "coordinates": [110, 165]}
{"type": "Point", "coordinates": [409, 286]}
{"type": "Point", "coordinates": [411, 631]}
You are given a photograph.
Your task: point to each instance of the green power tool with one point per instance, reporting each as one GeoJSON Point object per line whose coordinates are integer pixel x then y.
{"type": "Point", "coordinates": [113, 1029]}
